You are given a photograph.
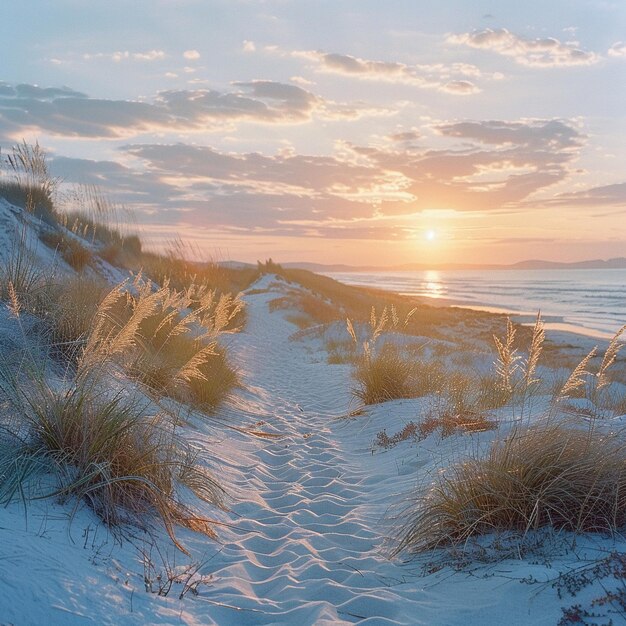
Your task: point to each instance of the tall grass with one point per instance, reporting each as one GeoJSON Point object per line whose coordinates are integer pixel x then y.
{"type": "Point", "coordinates": [382, 373]}
{"type": "Point", "coordinates": [103, 447]}
{"type": "Point", "coordinates": [166, 339]}
{"type": "Point", "coordinates": [30, 183]}
{"type": "Point", "coordinates": [549, 474]}
{"type": "Point", "coordinates": [71, 308]}
{"type": "Point", "coordinates": [23, 272]}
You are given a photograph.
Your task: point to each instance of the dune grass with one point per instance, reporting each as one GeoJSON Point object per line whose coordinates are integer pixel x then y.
{"type": "Point", "coordinates": [102, 447]}
{"type": "Point", "coordinates": [28, 181]}
{"type": "Point", "coordinates": [164, 342]}
{"type": "Point", "coordinates": [71, 308]}
{"type": "Point", "coordinates": [384, 375]}
{"type": "Point", "coordinates": [74, 253]}
{"type": "Point", "coordinates": [549, 474]}
{"type": "Point", "coordinates": [552, 472]}
{"type": "Point", "coordinates": [22, 271]}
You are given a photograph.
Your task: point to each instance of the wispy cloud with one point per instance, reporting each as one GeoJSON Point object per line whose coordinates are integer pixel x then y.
{"type": "Point", "coordinates": [125, 55]}
{"type": "Point", "coordinates": [540, 52]}
{"type": "Point", "coordinates": [618, 49]}
{"type": "Point", "coordinates": [456, 78]}
{"type": "Point", "coordinates": [65, 112]}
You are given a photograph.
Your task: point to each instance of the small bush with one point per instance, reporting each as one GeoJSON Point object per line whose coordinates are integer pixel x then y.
{"type": "Point", "coordinates": [409, 431]}
{"type": "Point", "coordinates": [545, 475]}
{"type": "Point", "coordinates": [73, 253]}
{"type": "Point", "coordinates": [385, 375]}
{"type": "Point", "coordinates": [450, 423]}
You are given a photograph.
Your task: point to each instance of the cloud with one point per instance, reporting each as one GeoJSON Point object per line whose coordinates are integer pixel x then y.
{"type": "Point", "coordinates": [125, 55]}
{"type": "Point", "coordinates": [544, 52]}
{"type": "Point", "coordinates": [618, 50]}
{"type": "Point", "coordinates": [248, 46]}
{"type": "Point", "coordinates": [191, 55]}
{"type": "Point", "coordinates": [539, 134]}
{"type": "Point", "coordinates": [65, 112]}
{"type": "Point", "coordinates": [452, 78]}
{"type": "Point", "coordinates": [356, 192]}
{"type": "Point", "coordinates": [606, 195]}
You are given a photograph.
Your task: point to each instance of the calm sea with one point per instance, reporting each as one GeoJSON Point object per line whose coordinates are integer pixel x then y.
{"type": "Point", "coordinates": [589, 301]}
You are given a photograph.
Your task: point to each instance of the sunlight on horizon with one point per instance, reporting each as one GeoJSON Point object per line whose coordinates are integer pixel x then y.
{"type": "Point", "coordinates": [347, 143]}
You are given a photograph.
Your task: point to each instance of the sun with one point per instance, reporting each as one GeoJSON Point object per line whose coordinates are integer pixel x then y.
{"type": "Point", "coordinates": [431, 235]}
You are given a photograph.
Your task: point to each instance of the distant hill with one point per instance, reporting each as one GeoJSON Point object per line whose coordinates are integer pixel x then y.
{"type": "Point", "coordinates": [533, 264]}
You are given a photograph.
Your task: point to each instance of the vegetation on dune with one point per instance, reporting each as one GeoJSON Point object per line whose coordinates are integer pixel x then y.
{"type": "Point", "coordinates": [118, 451]}
{"type": "Point", "coordinates": [106, 448]}
{"type": "Point", "coordinates": [104, 434]}
{"type": "Point", "coordinates": [28, 182]}
{"type": "Point", "coordinates": [549, 474]}
{"type": "Point", "coordinates": [74, 253]}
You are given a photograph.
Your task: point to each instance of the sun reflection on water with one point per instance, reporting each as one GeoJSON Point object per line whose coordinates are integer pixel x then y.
{"type": "Point", "coordinates": [433, 287]}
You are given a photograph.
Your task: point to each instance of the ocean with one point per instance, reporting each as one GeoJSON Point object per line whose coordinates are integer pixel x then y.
{"type": "Point", "coordinates": [591, 302]}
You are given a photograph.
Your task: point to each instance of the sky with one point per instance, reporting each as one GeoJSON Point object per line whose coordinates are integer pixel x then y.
{"type": "Point", "coordinates": [344, 131]}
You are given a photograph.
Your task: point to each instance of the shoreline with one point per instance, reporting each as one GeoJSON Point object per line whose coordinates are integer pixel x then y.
{"type": "Point", "coordinates": [557, 325]}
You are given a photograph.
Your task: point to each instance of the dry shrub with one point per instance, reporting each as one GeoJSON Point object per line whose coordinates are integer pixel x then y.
{"type": "Point", "coordinates": [451, 423]}
{"type": "Point", "coordinates": [545, 475]}
{"type": "Point", "coordinates": [409, 431]}
{"type": "Point", "coordinates": [73, 253]}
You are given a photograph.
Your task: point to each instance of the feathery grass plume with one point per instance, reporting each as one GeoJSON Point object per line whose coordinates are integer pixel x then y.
{"type": "Point", "coordinates": [544, 475]}
{"type": "Point", "coordinates": [14, 302]}
{"type": "Point", "coordinates": [529, 364]}
{"type": "Point", "coordinates": [351, 332]}
{"type": "Point", "coordinates": [163, 343]}
{"type": "Point", "coordinates": [610, 356]}
{"type": "Point", "coordinates": [508, 359]}
{"type": "Point", "coordinates": [578, 378]}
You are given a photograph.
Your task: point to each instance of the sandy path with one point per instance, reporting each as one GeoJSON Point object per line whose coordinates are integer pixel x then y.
{"type": "Point", "coordinates": [312, 553]}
